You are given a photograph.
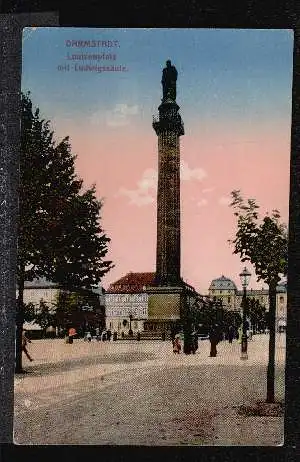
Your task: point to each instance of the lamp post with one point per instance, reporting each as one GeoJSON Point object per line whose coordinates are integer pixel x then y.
{"type": "Point", "coordinates": [130, 332]}
{"type": "Point", "coordinates": [245, 278]}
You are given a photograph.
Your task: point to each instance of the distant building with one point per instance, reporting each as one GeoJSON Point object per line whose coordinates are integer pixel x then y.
{"type": "Point", "coordinates": [223, 288]}
{"type": "Point", "coordinates": [135, 301]}
{"type": "Point", "coordinates": [40, 290]}
{"type": "Point", "coordinates": [126, 303]}
{"type": "Point", "coordinates": [46, 291]}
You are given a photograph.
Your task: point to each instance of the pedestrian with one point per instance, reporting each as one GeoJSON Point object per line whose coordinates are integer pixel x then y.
{"type": "Point", "coordinates": [89, 337]}
{"type": "Point", "coordinates": [108, 335]}
{"type": "Point", "coordinates": [230, 334]}
{"type": "Point", "coordinates": [138, 336]}
{"type": "Point", "coordinates": [214, 338]}
{"type": "Point", "coordinates": [97, 330]}
{"type": "Point", "coordinates": [72, 333]}
{"type": "Point", "coordinates": [195, 342]}
{"type": "Point", "coordinates": [103, 336]}
{"type": "Point", "coordinates": [172, 335]}
{"type": "Point", "coordinates": [26, 340]}
{"type": "Point", "coordinates": [240, 332]}
{"type": "Point", "coordinates": [177, 344]}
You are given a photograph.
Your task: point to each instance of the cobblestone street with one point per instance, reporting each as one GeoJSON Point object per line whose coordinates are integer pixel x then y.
{"type": "Point", "coordinates": [139, 393]}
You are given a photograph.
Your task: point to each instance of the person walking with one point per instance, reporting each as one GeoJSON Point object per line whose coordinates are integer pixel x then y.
{"type": "Point", "coordinates": [230, 334]}
{"type": "Point", "coordinates": [97, 330]}
{"type": "Point", "coordinates": [195, 342]}
{"type": "Point", "coordinates": [176, 344]}
{"type": "Point", "coordinates": [214, 338]}
{"type": "Point", "coordinates": [108, 335]}
{"type": "Point", "coordinates": [72, 333]}
{"type": "Point", "coordinates": [173, 333]}
{"type": "Point", "coordinates": [26, 340]}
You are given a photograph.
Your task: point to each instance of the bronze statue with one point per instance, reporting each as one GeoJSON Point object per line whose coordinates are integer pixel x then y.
{"type": "Point", "coordinates": [168, 81]}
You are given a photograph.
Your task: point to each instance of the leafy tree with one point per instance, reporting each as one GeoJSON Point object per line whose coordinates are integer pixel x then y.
{"type": "Point", "coordinates": [44, 316]}
{"type": "Point", "coordinates": [256, 313]}
{"type": "Point", "coordinates": [60, 237]}
{"type": "Point", "coordinates": [263, 242]}
{"type": "Point", "coordinates": [69, 308]}
{"type": "Point", "coordinates": [29, 312]}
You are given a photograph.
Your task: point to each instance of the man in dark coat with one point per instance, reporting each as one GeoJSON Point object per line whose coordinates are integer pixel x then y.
{"type": "Point", "coordinates": [230, 334]}
{"type": "Point", "coordinates": [214, 338]}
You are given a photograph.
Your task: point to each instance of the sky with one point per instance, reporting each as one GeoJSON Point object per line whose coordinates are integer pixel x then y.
{"type": "Point", "coordinates": [234, 89]}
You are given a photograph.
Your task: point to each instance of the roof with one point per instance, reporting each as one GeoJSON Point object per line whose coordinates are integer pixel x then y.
{"type": "Point", "coordinates": [41, 283]}
{"type": "Point", "coordinates": [132, 283]}
{"type": "Point", "coordinates": [222, 283]}
{"type": "Point", "coordinates": [254, 292]}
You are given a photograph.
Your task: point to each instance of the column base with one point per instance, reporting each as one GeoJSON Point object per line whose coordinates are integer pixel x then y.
{"type": "Point", "coordinates": [244, 355]}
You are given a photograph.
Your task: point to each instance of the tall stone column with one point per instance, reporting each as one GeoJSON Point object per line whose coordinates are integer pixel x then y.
{"type": "Point", "coordinates": [168, 127]}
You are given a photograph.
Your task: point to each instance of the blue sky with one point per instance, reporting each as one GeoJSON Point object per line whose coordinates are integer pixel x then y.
{"type": "Point", "coordinates": [222, 72]}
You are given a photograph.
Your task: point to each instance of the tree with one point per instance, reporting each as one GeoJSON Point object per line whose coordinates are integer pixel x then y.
{"type": "Point", "coordinates": [29, 312]}
{"type": "Point", "coordinates": [256, 313]}
{"type": "Point", "coordinates": [69, 309]}
{"type": "Point", "coordinates": [263, 242]}
{"type": "Point", "coordinates": [59, 235]}
{"type": "Point", "coordinates": [44, 316]}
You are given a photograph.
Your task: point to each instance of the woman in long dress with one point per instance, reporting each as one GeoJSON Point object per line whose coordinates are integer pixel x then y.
{"type": "Point", "coordinates": [177, 344]}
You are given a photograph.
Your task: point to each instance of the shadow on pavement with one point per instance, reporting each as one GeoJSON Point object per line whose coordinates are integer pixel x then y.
{"type": "Point", "coordinates": [77, 363]}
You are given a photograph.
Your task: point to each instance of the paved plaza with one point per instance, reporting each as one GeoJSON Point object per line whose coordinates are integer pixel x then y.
{"type": "Point", "coordinates": [140, 393]}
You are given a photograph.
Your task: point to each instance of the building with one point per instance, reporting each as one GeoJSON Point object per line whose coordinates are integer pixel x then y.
{"type": "Point", "coordinates": [40, 290]}
{"type": "Point", "coordinates": [84, 317]}
{"type": "Point", "coordinates": [223, 288]}
{"type": "Point", "coordinates": [133, 302]}
{"type": "Point", "coordinates": [126, 303]}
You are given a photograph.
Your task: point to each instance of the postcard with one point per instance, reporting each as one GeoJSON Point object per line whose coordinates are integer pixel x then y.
{"type": "Point", "coordinates": [152, 252]}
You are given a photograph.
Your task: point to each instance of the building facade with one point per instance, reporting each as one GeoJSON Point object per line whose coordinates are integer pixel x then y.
{"type": "Point", "coordinates": [133, 302]}
{"type": "Point", "coordinates": [224, 289]}
{"type": "Point", "coordinates": [126, 303]}
{"type": "Point", "coordinates": [40, 290]}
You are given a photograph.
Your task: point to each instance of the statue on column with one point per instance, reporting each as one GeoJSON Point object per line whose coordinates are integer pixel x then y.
{"type": "Point", "coordinates": [168, 81]}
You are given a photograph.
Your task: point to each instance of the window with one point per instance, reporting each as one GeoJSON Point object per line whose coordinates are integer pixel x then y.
{"type": "Point", "coordinates": [228, 299]}
{"type": "Point", "coordinates": [281, 299]}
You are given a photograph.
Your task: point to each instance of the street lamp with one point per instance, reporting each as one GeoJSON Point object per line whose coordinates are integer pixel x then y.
{"type": "Point", "coordinates": [130, 332]}
{"type": "Point", "coordinates": [245, 278]}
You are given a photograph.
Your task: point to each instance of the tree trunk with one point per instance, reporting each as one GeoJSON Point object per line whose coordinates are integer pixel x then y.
{"type": "Point", "coordinates": [19, 325]}
{"type": "Point", "coordinates": [271, 363]}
